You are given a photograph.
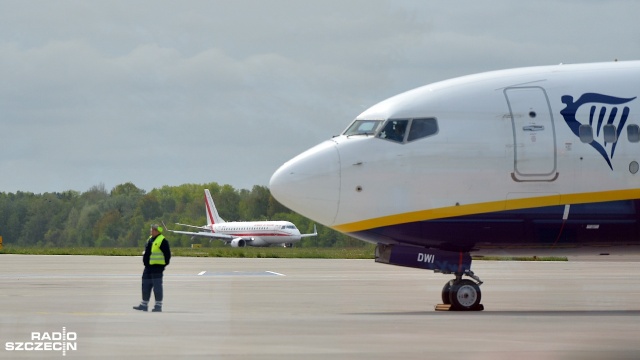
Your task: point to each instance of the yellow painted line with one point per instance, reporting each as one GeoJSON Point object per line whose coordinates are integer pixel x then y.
{"type": "Point", "coordinates": [487, 207]}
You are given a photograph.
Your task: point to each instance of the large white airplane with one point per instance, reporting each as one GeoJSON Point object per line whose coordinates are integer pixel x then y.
{"type": "Point", "coordinates": [245, 233]}
{"type": "Point", "coordinates": [541, 156]}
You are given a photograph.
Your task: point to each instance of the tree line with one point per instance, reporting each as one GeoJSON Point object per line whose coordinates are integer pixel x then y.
{"type": "Point", "coordinates": [122, 217]}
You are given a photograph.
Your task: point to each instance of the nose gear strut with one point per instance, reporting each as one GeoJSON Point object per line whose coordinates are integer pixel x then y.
{"type": "Point", "coordinates": [457, 294]}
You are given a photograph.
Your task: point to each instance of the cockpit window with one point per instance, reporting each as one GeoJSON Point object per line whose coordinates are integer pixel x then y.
{"type": "Point", "coordinates": [394, 130]}
{"type": "Point", "coordinates": [363, 127]}
{"type": "Point", "coordinates": [421, 128]}
{"type": "Point", "coordinates": [411, 129]}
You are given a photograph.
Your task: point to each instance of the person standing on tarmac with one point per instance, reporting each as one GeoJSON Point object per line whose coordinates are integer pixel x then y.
{"type": "Point", "coordinates": [156, 257]}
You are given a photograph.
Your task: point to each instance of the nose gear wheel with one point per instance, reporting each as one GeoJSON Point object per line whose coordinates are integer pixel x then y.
{"type": "Point", "coordinates": [465, 295]}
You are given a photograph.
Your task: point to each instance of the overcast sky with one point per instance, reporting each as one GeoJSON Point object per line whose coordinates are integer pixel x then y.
{"type": "Point", "coordinates": [173, 92]}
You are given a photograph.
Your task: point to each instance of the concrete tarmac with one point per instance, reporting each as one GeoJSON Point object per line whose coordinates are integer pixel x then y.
{"type": "Point", "coordinates": [218, 308]}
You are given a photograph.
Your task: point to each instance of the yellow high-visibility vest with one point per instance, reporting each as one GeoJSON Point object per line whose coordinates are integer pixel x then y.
{"type": "Point", "coordinates": [157, 256]}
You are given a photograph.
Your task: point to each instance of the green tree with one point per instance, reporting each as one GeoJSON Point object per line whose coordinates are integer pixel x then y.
{"type": "Point", "coordinates": [150, 206]}
{"type": "Point", "coordinates": [122, 216]}
{"type": "Point", "coordinates": [227, 203]}
{"type": "Point", "coordinates": [128, 190]}
{"type": "Point", "coordinates": [254, 205]}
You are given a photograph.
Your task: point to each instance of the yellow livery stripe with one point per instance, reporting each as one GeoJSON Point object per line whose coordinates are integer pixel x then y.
{"type": "Point", "coordinates": [487, 207]}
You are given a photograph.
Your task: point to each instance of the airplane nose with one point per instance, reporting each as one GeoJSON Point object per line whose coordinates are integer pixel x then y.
{"type": "Point", "coordinates": [310, 183]}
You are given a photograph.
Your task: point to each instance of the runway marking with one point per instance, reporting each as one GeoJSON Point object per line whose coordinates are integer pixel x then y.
{"type": "Point", "coordinates": [275, 273]}
{"type": "Point", "coordinates": [240, 273]}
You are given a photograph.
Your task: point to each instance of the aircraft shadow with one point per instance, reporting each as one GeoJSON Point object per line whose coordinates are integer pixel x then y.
{"type": "Point", "coordinates": [514, 313]}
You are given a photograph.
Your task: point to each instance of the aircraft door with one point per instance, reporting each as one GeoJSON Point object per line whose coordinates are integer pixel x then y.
{"type": "Point", "coordinates": [534, 136]}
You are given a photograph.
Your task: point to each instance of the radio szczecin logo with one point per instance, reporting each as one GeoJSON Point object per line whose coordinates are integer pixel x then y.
{"type": "Point", "coordinates": [46, 341]}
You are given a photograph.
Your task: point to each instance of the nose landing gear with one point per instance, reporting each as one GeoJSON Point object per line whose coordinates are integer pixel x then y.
{"type": "Point", "coordinates": [462, 294]}
{"type": "Point", "coordinates": [457, 294]}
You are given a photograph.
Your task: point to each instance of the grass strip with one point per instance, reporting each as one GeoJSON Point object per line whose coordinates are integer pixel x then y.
{"type": "Point", "coordinates": [366, 252]}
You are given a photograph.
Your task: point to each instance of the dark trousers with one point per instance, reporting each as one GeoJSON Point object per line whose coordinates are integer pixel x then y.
{"type": "Point", "coordinates": [151, 280]}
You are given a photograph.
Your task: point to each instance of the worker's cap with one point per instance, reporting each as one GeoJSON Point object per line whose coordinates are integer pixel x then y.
{"type": "Point", "coordinates": [157, 227]}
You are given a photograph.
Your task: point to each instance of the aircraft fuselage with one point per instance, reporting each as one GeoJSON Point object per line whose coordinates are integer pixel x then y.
{"type": "Point", "coordinates": [534, 156]}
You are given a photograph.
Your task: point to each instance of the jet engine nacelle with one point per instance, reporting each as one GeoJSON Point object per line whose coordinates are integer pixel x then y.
{"type": "Point", "coordinates": [239, 242]}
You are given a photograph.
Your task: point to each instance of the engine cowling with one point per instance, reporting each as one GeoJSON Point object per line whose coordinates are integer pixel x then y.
{"type": "Point", "coordinates": [238, 242]}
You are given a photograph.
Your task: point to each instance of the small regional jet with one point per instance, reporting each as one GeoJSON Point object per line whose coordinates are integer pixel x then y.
{"type": "Point", "coordinates": [246, 233]}
{"type": "Point", "coordinates": [542, 156]}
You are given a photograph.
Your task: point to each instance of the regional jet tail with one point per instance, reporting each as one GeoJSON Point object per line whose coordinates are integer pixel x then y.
{"type": "Point", "coordinates": [246, 233]}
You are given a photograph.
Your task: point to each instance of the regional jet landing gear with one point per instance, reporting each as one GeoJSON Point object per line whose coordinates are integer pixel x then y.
{"type": "Point", "coordinates": [457, 294]}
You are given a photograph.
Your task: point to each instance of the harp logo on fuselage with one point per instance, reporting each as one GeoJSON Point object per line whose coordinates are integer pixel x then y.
{"type": "Point", "coordinates": [598, 120]}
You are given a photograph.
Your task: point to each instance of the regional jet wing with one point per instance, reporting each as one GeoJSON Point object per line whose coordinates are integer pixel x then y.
{"type": "Point", "coordinates": [315, 232]}
{"type": "Point", "coordinates": [234, 241]}
{"type": "Point", "coordinates": [207, 234]}
{"type": "Point", "coordinates": [195, 227]}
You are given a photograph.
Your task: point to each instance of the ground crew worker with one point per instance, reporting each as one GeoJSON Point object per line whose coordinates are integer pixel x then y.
{"type": "Point", "coordinates": [157, 255]}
